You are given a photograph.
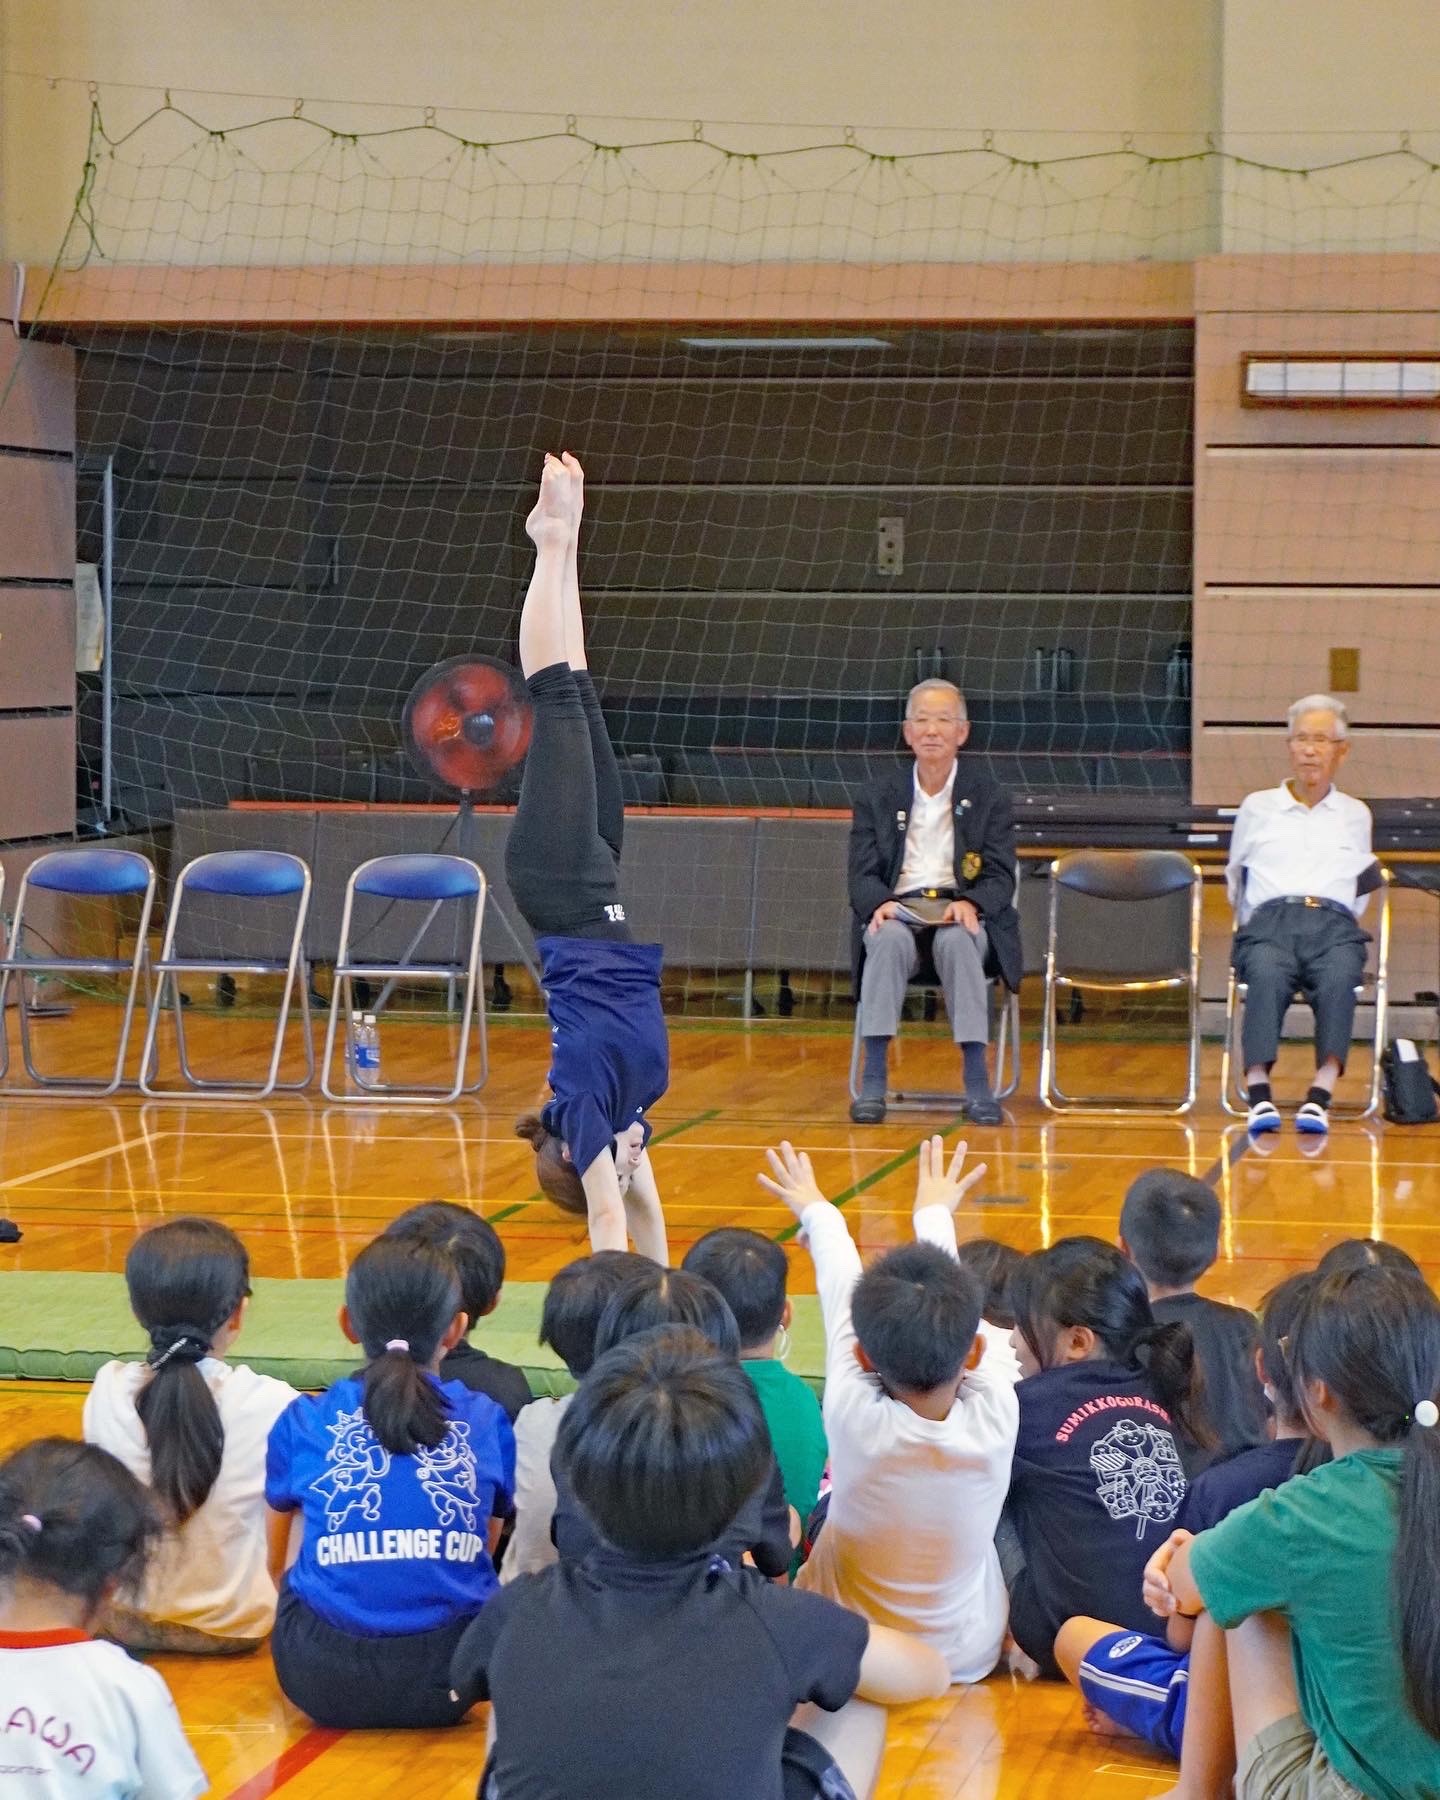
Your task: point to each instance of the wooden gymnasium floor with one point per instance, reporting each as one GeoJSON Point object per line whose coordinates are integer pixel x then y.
{"type": "Point", "coordinates": [306, 1185]}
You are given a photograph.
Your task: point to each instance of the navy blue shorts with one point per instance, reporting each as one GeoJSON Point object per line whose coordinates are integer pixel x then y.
{"type": "Point", "coordinates": [1141, 1683]}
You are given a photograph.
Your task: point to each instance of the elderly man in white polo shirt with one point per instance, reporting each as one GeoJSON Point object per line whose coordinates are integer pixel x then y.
{"type": "Point", "coordinates": [1297, 853]}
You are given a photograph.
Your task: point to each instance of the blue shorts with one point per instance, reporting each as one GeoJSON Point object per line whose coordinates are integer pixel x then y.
{"type": "Point", "coordinates": [1141, 1683]}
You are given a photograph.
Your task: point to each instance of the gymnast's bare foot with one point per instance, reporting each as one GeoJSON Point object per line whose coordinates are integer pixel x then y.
{"type": "Point", "coordinates": [550, 520]}
{"type": "Point", "coordinates": [577, 489]}
{"type": "Point", "coordinates": [1104, 1727]}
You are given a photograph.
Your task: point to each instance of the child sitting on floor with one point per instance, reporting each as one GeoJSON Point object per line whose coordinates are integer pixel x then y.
{"type": "Point", "coordinates": [1316, 1664]}
{"type": "Point", "coordinates": [574, 1301]}
{"type": "Point", "coordinates": [750, 1273]}
{"type": "Point", "coordinates": [193, 1428]}
{"type": "Point", "coordinates": [474, 1246]}
{"type": "Point", "coordinates": [993, 1265]}
{"type": "Point", "coordinates": [921, 1427]}
{"type": "Point", "coordinates": [82, 1718]}
{"type": "Point", "coordinates": [1170, 1230]}
{"type": "Point", "coordinates": [402, 1482]}
{"type": "Point", "coordinates": [657, 1669]}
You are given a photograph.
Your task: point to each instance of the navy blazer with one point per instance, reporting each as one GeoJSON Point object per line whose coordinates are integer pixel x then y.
{"type": "Point", "coordinates": [984, 825]}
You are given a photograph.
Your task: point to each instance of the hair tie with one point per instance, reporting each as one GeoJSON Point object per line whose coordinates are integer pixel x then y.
{"type": "Point", "coordinates": [178, 1343]}
{"type": "Point", "coordinates": [398, 1344]}
{"type": "Point", "coordinates": [1427, 1414]}
{"type": "Point", "coordinates": [30, 1520]}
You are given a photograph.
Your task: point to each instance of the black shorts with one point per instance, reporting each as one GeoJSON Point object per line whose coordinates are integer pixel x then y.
{"type": "Point", "coordinates": [808, 1769]}
{"type": "Point", "coordinates": [562, 859]}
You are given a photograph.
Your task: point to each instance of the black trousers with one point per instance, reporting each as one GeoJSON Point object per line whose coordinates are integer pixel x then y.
{"type": "Point", "coordinates": [562, 859]}
{"type": "Point", "coordinates": [354, 1683]}
{"type": "Point", "coordinates": [1283, 950]}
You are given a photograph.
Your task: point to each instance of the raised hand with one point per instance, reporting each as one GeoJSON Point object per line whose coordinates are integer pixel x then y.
{"type": "Point", "coordinates": [550, 518]}
{"type": "Point", "coordinates": [937, 1185]}
{"type": "Point", "coordinates": [791, 1178]}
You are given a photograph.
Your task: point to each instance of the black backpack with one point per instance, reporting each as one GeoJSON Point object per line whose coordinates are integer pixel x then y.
{"type": "Point", "coordinates": [1410, 1089]}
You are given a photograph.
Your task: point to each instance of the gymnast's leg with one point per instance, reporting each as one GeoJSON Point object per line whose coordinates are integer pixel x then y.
{"type": "Point", "coordinates": [609, 807]}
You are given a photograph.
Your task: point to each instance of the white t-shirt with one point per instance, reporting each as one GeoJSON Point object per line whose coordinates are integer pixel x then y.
{"type": "Point", "coordinates": [211, 1573]}
{"type": "Point", "coordinates": [84, 1722]}
{"type": "Point", "coordinates": [536, 1428]}
{"type": "Point", "coordinates": [909, 1540]}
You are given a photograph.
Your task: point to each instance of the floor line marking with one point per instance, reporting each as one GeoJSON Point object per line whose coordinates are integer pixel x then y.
{"type": "Point", "coordinates": [76, 1162]}
{"type": "Point", "coordinates": [288, 1764]}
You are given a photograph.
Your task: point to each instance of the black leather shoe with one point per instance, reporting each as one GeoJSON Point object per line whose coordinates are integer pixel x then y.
{"type": "Point", "coordinates": [985, 1110]}
{"type": "Point", "coordinates": [867, 1112]}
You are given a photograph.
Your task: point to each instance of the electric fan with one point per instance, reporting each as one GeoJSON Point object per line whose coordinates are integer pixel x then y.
{"type": "Point", "coordinates": [467, 723]}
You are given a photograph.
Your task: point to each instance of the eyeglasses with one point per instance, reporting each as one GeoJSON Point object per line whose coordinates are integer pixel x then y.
{"type": "Point", "coordinates": [1314, 741]}
{"type": "Point", "coordinates": [934, 718]}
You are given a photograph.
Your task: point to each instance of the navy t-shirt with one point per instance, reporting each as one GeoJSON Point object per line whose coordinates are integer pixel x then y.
{"type": "Point", "coordinates": [1096, 1488]}
{"type": "Point", "coordinates": [621, 1680]}
{"type": "Point", "coordinates": [1235, 1481]}
{"type": "Point", "coordinates": [609, 1052]}
{"type": "Point", "coordinates": [393, 1544]}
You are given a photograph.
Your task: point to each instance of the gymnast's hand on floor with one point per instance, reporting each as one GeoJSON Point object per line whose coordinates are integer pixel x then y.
{"type": "Point", "coordinates": [550, 520]}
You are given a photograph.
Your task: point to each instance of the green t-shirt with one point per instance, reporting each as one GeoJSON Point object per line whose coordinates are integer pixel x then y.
{"type": "Point", "coordinates": [796, 1430]}
{"type": "Point", "coordinates": [1320, 1551]}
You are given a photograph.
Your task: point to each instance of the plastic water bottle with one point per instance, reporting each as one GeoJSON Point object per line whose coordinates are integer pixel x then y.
{"type": "Point", "coordinates": [352, 1041]}
{"type": "Point", "coordinates": [370, 1038]}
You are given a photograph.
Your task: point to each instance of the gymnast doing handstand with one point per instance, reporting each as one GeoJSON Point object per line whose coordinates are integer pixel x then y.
{"type": "Point", "coordinates": [609, 1053]}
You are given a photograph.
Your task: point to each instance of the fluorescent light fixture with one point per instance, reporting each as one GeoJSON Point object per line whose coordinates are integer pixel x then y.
{"type": "Point", "coordinates": [1341, 381]}
{"type": "Point", "coordinates": [786, 343]}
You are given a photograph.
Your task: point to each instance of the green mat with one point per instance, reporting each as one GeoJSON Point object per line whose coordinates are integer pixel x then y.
{"type": "Point", "coordinates": [62, 1327]}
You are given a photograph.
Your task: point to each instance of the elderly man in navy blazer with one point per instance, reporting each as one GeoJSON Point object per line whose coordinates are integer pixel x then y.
{"type": "Point", "coordinates": [937, 831]}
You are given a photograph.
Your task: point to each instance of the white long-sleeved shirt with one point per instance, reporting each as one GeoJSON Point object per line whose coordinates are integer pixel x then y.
{"type": "Point", "coordinates": [929, 838]}
{"type": "Point", "coordinates": [536, 1428]}
{"type": "Point", "coordinates": [909, 1541]}
{"type": "Point", "coordinates": [1279, 847]}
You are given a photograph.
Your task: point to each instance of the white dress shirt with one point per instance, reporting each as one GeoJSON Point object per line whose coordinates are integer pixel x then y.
{"type": "Point", "coordinates": [909, 1540]}
{"type": "Point", "coordinates": [1279, 846]}
{"type": "Point", "coordinates": [929, 838]}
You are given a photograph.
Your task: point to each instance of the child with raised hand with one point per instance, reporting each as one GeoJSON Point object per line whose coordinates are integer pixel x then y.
{"type": "Point", "coordinates": [750, 1273]}
{"type": "Point", "coordinates": [921, 1426]}
{"type": "Point", "coordinates": [474, 1246]}
{"type": "Point", "coordinates": [569, 1318]}
{"type": "Point", "coordinates": [1109, 1408]}
{"type": "Point", "coordinates": [1170, 1230]}
{"type": "Point", "coordinates": [401, 1482]}
{"type": "Point", "coordinates": [1316, 1663]}
{"type": "Point", "coordinates": [193, 1428]}
{"type": "Point", "coordinates": [656, 1668]}
{"type": "Point", "coordinates": [84, 1721]}
{"type": "Point", "coordinates": [1138, 1684]}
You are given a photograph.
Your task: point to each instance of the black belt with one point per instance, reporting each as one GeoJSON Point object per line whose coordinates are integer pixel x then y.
{"type": "Point", "coordinates": [948, 893]}
{"type": "Point", "coordinates": [1309, 900]}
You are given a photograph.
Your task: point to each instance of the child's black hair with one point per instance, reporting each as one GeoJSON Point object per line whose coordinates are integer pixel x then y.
{"type": "Point", "coordinates": [73, 1517]}
{"type": "Point", "coordinates": [575, 1299]}
{"type": "Point", "coordinates": [657, 1296]}
{"type": "Point", "coordinates": [750, 1271]}
{"type": "Point", "coordinates": [992, 1264]}
{"type": "Point", "coordinates": [1368, 1253]}
{"type": "Point", "coordinates": [1278, 1312]}
{"type": "Point", "coordinates": [1372, 1335]}
{"type": "Point", "coordinates": [471, 1243]}
{"type": "Point", "coordinates": [1085, 1281]}
{"type": "Point", "coordinates": [401, 1292]}
{"type": "Point", "coordinates": [916, 1312]}
{"type": "Point", "coordinates": [663, 1444]}
{"type": "Point", "coordinates": [185, 1279]}
{"type": "Point", "coordinates": [1171, 1226]}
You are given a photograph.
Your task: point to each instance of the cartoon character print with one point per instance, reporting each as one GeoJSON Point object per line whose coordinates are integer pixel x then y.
{"type": "Point", "coordinates": [447, 1473]}
{"type": "Point", "coordinates": [357, 1463]}
{"type": "Point", "coordinates": [1139, 1474]}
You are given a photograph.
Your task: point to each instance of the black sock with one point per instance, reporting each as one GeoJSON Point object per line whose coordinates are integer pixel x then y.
{"type": "Point", "coordinates": [977, 1070]}
{"type": "Point", "coordinates": [1257, 1091]}
{"type": "Point", "coordinates": [1318, 1096]}
{"type": "Point", "coordinates": [872, 1074]}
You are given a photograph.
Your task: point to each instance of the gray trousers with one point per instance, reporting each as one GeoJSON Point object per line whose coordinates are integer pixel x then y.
{"type": "Point", "coordinates": [1313, 950]}
{"type": "Point", "coordinates": [892, 955]}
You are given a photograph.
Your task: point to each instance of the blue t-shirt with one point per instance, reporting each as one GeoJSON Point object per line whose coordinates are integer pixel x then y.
{"type": "Point", "coordinates": [393, 1544]}
{"type": "Point", "coordinates": [609, 1052]}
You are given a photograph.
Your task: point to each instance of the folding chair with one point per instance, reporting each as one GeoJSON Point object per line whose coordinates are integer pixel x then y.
{"type": "Point", "coordinates": [80, 875]}
{"type": "Point", "coordinates": [247, 876]}
{"type": "Point", "coordinates": [1374, 985]}
{"type": "Point", "coordinates": [434, 881]}
{"type": "Point", "coordinates": [1170, 960]}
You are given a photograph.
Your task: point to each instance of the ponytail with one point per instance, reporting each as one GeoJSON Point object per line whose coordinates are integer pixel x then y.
{"type": "Point", "coordinates": [185, 1279]}
{"type": "Point", "coordinates": [73, 1517]}
{"type": "Point", "coordinates": [401, 1295]}
{"type": "Point", "coordinates": [1372, 1335]}
{"type": "Point", "coordinates": [1167, 1355]}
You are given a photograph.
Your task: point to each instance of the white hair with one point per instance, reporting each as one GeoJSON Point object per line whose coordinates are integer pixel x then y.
{"type": "Point", "coordinates": [1321, 703]}
{"type": "Point", "coordinates": [939, 683]}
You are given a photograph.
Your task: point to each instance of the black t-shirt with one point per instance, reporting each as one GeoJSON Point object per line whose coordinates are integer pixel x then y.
{"type": "Point", "coordinates": [616, 1680]}
{"type": "Point", "coordinates": [1095, 1489]}
{"type": "Point", "coordinates": [503, 1382]}
{"type": "Point", "coordinates": [762, 1526]}
{"type": "Point", "coordinates": [1237, 1480]}
{"type": "Point", "coordinates": [1225, 1339]}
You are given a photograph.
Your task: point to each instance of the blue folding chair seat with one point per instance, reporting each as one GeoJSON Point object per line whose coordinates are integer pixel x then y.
{"type": "Point", "coordinates": [245, 876]}
{"type": "Point", "coordinates": [81, 875]}
{"type": "Point", "coordinates": [434, 881]}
